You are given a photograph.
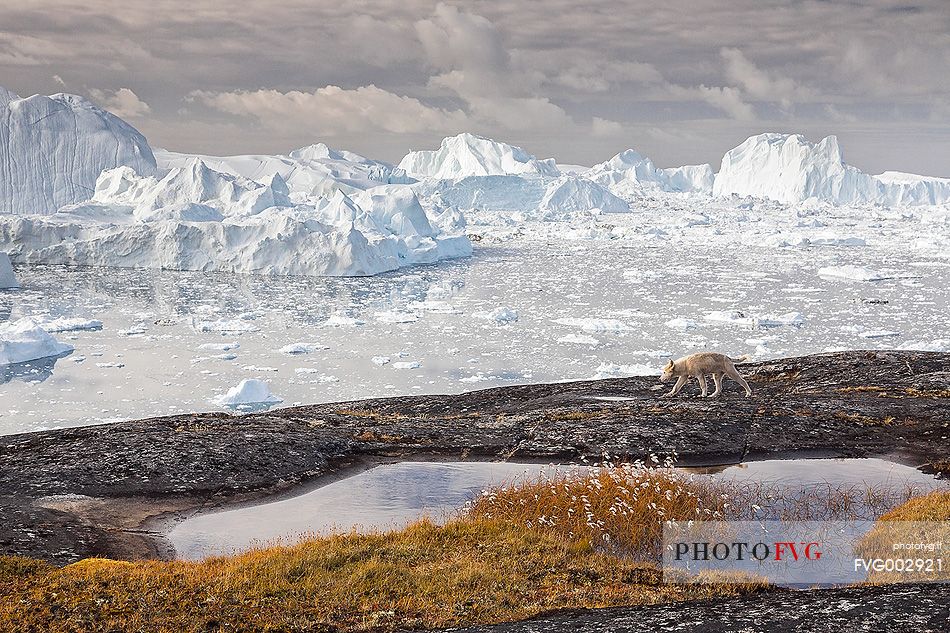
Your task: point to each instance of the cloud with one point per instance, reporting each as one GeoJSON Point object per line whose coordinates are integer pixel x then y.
{"type": "Point", "coordinates": [605, 128]}
{"type": "Point", "coordinates": [758, 83]}
{"type": "Point", "coordinates": [724, 98]}
{"type": "Point", "coordinates": [499, 65]}
{"type": "Point", "coordinates": [332, 110]}
{"type": "Point", "coordinates": [123, 103]}
{"type": "Point", "coordinates": [477, 68]}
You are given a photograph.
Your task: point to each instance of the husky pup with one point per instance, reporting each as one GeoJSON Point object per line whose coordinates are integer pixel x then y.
{"type": "Point", "coordinates": [698, 365]}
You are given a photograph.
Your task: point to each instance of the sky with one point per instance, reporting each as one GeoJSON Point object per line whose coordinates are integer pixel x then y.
{"type": "Point", "coordinates": [681, 81]}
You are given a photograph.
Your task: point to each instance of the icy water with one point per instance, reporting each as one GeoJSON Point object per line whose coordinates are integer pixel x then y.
{"type": "Point", "coordinates": [584, 309]}
{"type": "Point", "coordinates": [390, 496]}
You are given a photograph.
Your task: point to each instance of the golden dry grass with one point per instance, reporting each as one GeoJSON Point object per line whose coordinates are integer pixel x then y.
{"type": "Point", "coordinates": [577, 538]}
{"type": "Point", "coordinates": [621, 508]}
{"type": "Point", "coordinates": [922, 521]}
{"type": "Point", "coordinates": [468, 571]}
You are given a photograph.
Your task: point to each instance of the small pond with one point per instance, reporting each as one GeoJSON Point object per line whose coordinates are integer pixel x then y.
{"type": "Point", "coordinates": [391, 496]}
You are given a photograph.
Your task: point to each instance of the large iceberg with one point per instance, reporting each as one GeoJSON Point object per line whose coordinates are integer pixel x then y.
{"type": "Point", "coordinates": [900, 188]}
{"type": "Point", "coordinates": [789, 169]}
{"type": "Point", "coordinates": [630, 169]}
{"type": "Point", "coordinates": [469, 155]}
{"type": "Point", "coordinates": [571, 194]}
{"type": "Point", "coordinates": [52, 150]}
{"type": "Point", "coordinates": [315, 170]}
{"type": "Point", "coordinates": [196, 218]}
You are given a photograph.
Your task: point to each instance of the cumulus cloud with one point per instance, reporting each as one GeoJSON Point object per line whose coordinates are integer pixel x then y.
{"type": "Point", "coordinates": [727, 99]}
{"type": "Point", "coordinates": [122, 102]}
{"type": "Point", "coordinates": [332, 110]}
{"type": "Point", "coordinates": [758, 83]}
{"type": "Point", "coordinates": [605, 128]}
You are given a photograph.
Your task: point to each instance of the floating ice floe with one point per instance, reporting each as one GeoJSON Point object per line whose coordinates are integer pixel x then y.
{"type": "Point", "coordinates": [301, 348]}
{"type": "Point", "coordinates": [7, 278]}
{"type": "Point", "coordinates": [250, 391]}
{"type": "Point", "coordinates": [24, 340]}
{"type": "Point", "coordinates": [412, 364]}
{"type": "Point", "coordinates": [70, 324]}
{"type": "Point", "coordinates": [735, 317]}
{"type": "Point", "coordinates": [233, 326]}
{"type": "Point", "coordinates": [343, 320]}
{"type": "Point", "coordinates": [590, 324]}
{"type": "Point", "coordinates": [681, 323]}
{"type": "Point", "coordinates": [396, 316]}
{"type": "Point", "coordinates": [936, 345]}
{"type": "Point", "coordinates": [501, 314]}
{"type": "Point", "coordinates": [878, 334]}
{"type": "Point", "coordinates": [221, 347]}
{"type": "Point", "coordinates": [853, 273]}
{"type": "Point", "coordinates": [612, 370]}
{"type": "Point", "coordinates": [578, 339]}
{"type": "Point", "coordinates": [381, 360]}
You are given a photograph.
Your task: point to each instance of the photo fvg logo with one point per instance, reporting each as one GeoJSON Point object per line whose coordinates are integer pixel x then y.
{"type": "Point", "coordinates": [779, 551]}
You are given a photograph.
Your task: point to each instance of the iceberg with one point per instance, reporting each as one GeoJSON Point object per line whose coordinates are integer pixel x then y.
{"type": "Point", "coordinates": [7, 278]}
{"type": "Point", "coordinates": [787, 168]}
{"type": "Point", "coordinates": [196, 218]}
{"type": "Point", "coordinates": [570, 194]}
{"type": "Point", "coordinates": [629, 169]}
{"type": "Point", "coordinates": [250, 391]}
{"type": "Point", "coordinates": [469, 155]}
{"type": "Point", "coordinates": [24, 340]}
{"type": "Point", "coordinates": [315, 170]}
{"type": "Point", "coordinates": [52, 150]}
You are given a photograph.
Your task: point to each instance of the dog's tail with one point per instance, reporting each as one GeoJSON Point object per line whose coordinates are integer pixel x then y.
{"type": "Point", "coordinates": [745, 358]}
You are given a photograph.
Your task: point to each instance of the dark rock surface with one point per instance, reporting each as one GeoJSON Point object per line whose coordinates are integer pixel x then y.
{"type": "Point", "coordinates": [843, 404]}
{"type": "Point", "coordinates": [871, 609]}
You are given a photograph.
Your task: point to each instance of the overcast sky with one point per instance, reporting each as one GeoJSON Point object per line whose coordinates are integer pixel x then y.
{"type": "Point", "coordinates": [680, 80]}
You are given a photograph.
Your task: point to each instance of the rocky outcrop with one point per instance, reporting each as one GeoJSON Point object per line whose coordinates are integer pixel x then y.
{"type": "Point", "coordinates": [851, 404]}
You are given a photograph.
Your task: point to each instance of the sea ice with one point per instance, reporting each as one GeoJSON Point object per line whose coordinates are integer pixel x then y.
{"type": "Point", "coordinates": [70, 324]}
{"type": "Point", "coordinates": [612, 370]}
{"type": "Point", "coordinates": [853, 273]}
{"type": "Point", "coordinates": [501, 314]}
{"type": "Point", "coordinates": [578, 339]}
{"type": "Point", "coordinates": [300, 348]}
{"type": "Point", "coordinates": [591, 324]}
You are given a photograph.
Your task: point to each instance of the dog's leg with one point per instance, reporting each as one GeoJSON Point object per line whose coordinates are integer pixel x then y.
{"type": "Point", "coordinates": [702, 384]}
{"type": "Point", "coordinates": [732, 373]}
{"type": "Point", "coordinates": [717, 378]}
{"type": "Point", "coordinates": [676, 388]}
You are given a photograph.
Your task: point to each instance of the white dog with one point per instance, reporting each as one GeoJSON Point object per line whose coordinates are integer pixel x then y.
{"type": "Point", "coordinates": [698, 365]}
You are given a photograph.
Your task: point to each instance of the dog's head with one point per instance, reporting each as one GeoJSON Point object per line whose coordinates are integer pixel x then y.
{"type": "Point", "coordinates": [667, 371]}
